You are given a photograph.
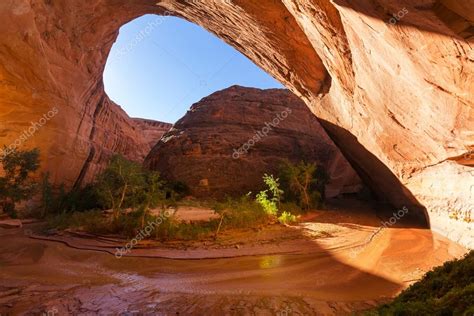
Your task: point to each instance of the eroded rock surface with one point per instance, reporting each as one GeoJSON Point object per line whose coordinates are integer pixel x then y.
{"type": "Point", "coordinates": [394, 93]}
{"type": "Point", "coordinates": [230, 139]}
{"type": "Point", "coordinates": [152, 130]}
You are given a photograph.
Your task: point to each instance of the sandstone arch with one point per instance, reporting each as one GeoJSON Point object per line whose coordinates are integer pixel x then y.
{"type": "Point", "coordinates": [397, 99]}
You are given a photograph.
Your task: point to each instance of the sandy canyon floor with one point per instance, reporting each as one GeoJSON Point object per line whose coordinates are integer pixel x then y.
{"type": "Point", "coordinates": [333, 262]}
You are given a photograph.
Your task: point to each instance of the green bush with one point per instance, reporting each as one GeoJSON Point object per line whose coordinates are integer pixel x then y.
{"type": "Point", "coordinates": [235, 213]}
{"type": "Point", "coordinates": [125, 184]}
{"type": "Point", "coordinates": [127, 189]}
{"type": "Point", "coordinates": [270, 199]}
{"type": "Point", "coordinates": [286, 218]}
{"type": "Point", "coordinates": [171, 229]}
{"type": "Point", "coordinates": [241, 213]}
{"type": "Point", "coordinates": [55, 200]}
{"type": "Point", "coordinates": [121, 184]}
{"type": "Point", "coordinates": [82, 199]}
{"type": "Point", "coordinates": [446, 290]}
{"type": "Point", "coordinates": [97, 222]}
{"type": "Point", "coordinates": [17, 184]}
{"type": "Point", "coordinates": [303, 183]}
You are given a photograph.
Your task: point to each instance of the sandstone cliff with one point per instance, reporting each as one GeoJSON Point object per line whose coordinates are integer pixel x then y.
{"type": "Point", "coordinates": [152, 130]}
{"type": "Point", "coordinates": [230, 139]}
{"type": "Point", "coordinates": [391, 81]}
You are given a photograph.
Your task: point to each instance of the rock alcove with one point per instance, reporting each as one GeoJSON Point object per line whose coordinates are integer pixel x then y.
{"type": "Point", "coordinates": [397, 98]}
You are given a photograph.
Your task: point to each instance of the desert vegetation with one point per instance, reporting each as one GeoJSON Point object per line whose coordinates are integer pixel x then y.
{"type": "Point", "coordinates": [303, 183]}
{"type": "Point", "coordinates": [446, 290]}
{"type": "Point", "coordinates": [125, 197]}
{"type": "Point", "coordinates": [17, 184]}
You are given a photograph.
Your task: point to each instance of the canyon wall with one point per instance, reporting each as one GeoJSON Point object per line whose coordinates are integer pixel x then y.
{"type": "Point", "coordinates": [227, 141]}
{"type": "Point", "coordinates": [391, 82]}
{"type": "Point", "coordinates": [152, 130]}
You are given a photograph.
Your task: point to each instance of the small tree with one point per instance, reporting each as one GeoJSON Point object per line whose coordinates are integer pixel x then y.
{"type": "Point", "coordinates": [270, 203]}
{"type": "Point", "coordinates": [153, 193]}
{"type": "Point", "coordinates": [121, 184]}
{"type": "Point", "coordinates": [126, 184]}
{"type": "Point", "coordinates": [17, 184]}
{"type": "Point", "coordinates": [305, 183]}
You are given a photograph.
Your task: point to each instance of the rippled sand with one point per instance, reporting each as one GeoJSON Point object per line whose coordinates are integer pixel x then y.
{"type": "Point", "coordinates": [341, 273]}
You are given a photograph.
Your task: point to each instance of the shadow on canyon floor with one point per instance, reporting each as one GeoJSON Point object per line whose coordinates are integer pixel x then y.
{"type": "Point", "coordinates": [353, 266]}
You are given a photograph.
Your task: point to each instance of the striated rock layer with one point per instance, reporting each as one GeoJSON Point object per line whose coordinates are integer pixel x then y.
{"type": "Point", "coordinates": [152, 130]}
{"type": "Point", "coordinates": [230, 139]}
{"type": "Point", "coordinates": [395, 93]}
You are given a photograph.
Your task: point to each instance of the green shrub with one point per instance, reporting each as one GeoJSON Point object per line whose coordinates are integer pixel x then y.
{"type": "Point", "coordinates": [121, 184]}
{"type": "Point", "coordinates": [47, 196]}
{"type": "Point", "coordinates": [125, 184]}
{"type": "Point", "coordinates": [446, 290]}
{"type": "Point", "coordinates": [241, 213]}
{"type": "Point", "coordinates": [97, 222]}
{"type": "Point", "coordinates": [17, 184]}
{"type": "Point", "coordinates": [235, 213]}
{"type": "Point", "coordinates": [303, 183]}
{"type": "Point", "coordinates": [55, 200]}
{"type": "Point", "coordinates": [286, 218]}
{"type": "Point", "coordinates": [82, 199]}
{"type": "Point", "coordinates": [270, 199]}
{"type": "Point", "coordinates": [172, 229]}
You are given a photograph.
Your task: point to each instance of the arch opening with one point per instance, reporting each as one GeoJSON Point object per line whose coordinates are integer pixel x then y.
{"type": "Point", "coordinates": [141, 38]}
{"type": "Point", "coordinates": [163, 64]}
{"type": "Point", "coordinates": [160, 65]}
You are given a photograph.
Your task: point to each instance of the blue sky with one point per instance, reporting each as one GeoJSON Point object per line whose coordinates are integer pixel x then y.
{"type": "Point", "coordinates": [160, 66]}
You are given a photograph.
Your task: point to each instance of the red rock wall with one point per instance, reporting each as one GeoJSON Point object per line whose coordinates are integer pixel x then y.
{"type": "Point", "coordinates": [152, 130]}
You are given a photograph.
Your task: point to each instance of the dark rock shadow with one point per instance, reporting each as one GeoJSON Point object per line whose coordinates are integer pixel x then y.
{"type": "Point", "coordinates": [420, 14]}
{"type": "Point", "coordinates": [390, 193]}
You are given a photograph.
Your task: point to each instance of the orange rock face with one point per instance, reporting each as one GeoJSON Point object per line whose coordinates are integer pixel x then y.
{"type": "Point", "coordinates": [391, 81]}
{"type": "Point", "coordinates": [230, 139]}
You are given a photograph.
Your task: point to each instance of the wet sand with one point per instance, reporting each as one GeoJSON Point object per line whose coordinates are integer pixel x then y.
{"type": "Point", "coordinates": [341, 273]}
